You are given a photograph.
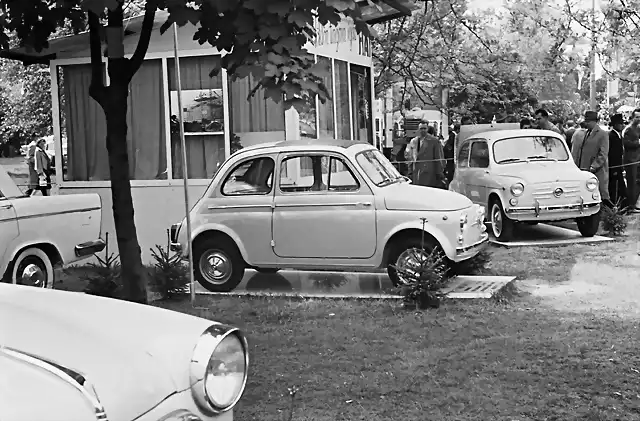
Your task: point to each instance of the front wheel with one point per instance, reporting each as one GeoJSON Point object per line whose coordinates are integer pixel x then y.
{"type": "Point", "coordinates": [501, 225]}
{"type": "Point", "coordinates": [407, 257]}
{"type": "Point", "coordinates": [588, 225]}
{"type": "Point", "coordinates": [33, 267]}
{"type": "Point", "coordinates": [219, 266]}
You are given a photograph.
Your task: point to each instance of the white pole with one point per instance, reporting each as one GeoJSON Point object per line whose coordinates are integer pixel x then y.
{"type": "Point", "coordinates": [185, 169]}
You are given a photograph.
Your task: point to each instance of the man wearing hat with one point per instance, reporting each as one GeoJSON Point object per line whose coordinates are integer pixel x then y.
{"type": "Point", "coordinates": [591, 153]}
{"type": "Point", "coordinates": [631, 141]}
{"type": "Point", "coordinates": [617, 188]}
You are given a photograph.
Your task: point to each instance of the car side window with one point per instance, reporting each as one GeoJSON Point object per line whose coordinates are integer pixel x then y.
{"type": "Point", "coordinates": [463, 155]}
{"type": "Point", "coordinates": [313, 173]}
{"type": "Point", "coordinates": [479, 157]}
{"type": "Point", "coordinates": [251, 177]}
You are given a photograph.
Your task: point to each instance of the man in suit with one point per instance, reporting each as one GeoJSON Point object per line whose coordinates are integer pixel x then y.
{"type": "Point", "coordinates": [631, 141]}
{"type": "Point", "coordinates": [426, 154]}
{"type": "Point", "coordinates": [617, 188]}
{"type": "Point", "coordinates": [591, 153]}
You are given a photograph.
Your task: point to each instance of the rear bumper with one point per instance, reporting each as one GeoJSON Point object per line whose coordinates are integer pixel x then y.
{"type": "Point", "coordinates": [89, 248]}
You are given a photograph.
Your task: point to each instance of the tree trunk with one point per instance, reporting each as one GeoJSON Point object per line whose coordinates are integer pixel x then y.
{"type": "Point", "coordinates": [134, 274]}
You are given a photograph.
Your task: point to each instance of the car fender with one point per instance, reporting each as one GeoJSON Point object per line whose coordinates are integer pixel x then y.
{"type": "Point", "coordinates": [448, 248]}
{"type": "Point", "coordinates": [23, 242]}
{"type": "Point", "coordinates": [224, 229]}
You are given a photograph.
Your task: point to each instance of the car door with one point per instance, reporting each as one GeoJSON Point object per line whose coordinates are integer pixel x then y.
{"type": "Point", "coordinates": [9, 229]}
{"type": "Point", "coordinates": [322, 209]}
{"type": "Point", "coordinates": [478, 172]}
{"type": "Point", "coordinates": [458, 184]}
{"type": "Point", "coordinates": [243, 203]}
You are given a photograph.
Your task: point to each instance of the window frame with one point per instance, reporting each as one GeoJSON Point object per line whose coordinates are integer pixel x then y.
{"type": "Point", "coordinates": [466, 142]}
{"type": "Point", "coordinates": [234, 168]}
{"type": "Point", "coordinates": [473, 143]}
{"type": "Point", "coordinates": [283, 157]}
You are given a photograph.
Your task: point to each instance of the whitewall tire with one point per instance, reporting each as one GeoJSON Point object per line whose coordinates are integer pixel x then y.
{"type": "Point", "coordinates": [33, 267]}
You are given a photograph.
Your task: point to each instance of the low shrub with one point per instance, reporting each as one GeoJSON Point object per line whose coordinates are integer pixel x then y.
{"type": "Point", "coordinates": [614, 222]}
{"type": "Point", "coordinates": [104, 279]}
{"type": "Point", "coordinates": [423, 285]}
{"type": "Point", "coordinates": [169, 276]}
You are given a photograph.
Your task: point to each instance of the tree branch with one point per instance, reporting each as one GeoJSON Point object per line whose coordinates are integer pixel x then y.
{"type": "Point", "coordinates": [145, 37]}
{"type": "Point", "coordinates": [97, 88]}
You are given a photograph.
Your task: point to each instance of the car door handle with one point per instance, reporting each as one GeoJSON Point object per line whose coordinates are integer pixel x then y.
{"type": "Point", "coordinates": [6, 206]}
{"type": "Point", "coordinates": [365, 204]}
{"type": "Point", "coordinates": [486, 171]}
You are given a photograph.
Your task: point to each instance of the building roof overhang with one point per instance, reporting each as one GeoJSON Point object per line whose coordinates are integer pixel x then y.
{"type": "Point", "coordinates": [373, 12]}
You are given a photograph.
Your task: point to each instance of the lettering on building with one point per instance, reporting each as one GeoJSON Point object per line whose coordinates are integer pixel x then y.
{"type": "Point", "coordinates": [342, 36]}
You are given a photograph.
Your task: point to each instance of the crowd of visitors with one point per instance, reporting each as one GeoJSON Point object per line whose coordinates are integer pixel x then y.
{"type": "Point", "coordinates": [612, 155]}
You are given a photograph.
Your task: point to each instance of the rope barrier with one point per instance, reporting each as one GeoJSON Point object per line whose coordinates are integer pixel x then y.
{"type": "Point", "coordinates": [452, 159]}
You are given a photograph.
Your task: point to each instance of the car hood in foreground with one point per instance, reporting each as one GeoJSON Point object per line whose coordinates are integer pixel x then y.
{"type": "Point", "coordinates": [134, 355]}
{"type": "Point", "coordinates": [409, 197]}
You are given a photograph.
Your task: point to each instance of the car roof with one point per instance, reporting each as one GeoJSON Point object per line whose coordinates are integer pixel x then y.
{"type": "Point", "coordinates": [493, 135]}
{"type": "Point", "coordinates": [307, 144]}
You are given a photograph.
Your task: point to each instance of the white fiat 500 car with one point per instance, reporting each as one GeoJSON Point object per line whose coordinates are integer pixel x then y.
{"type": "Point", "coordinates": [525, 176]}
{"type": "Point", "coordinates": [38, 233]}
{"type": "Point", "coordinates": [328, 205]}
{"type": "Point", "coordinates": [66, 356]}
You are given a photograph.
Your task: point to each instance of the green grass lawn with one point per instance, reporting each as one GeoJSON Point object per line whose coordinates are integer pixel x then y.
{"type": "Point", "coordinates": [468, 360]}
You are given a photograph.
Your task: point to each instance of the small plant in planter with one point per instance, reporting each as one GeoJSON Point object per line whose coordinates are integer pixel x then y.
{"type": "Point", "coordinates": [613, 221]}
{"type": "Point", "coordinates": [425, 281]}
{"type": "Point", "coordinates": [169, 275]}
{"type": "Point", "coordinates": [105, 280]}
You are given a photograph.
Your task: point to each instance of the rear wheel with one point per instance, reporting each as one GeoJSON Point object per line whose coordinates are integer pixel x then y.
{"type": "Point", "coordinates": [588, 225]}
{"type": "Point", "coordinates": [407, 257]}
{"type": "Point", "coordinates": [32, 267]}
{"type": "Point", "coordinates": [501, 225]}
{"type": "Point", "coordinates": [219, 266]}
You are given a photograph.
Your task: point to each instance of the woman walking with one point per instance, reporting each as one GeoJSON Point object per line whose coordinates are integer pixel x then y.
{"type": "Point", "coordinates": [43, 168]}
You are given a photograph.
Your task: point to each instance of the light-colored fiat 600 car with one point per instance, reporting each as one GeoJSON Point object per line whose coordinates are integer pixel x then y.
{"type": "Point", "coordinates": [38, 233]}
{"type": "Point", "coordinates": [525, 176]}
{"type": "Point", "coordinates": [66, 356]}
{"type": "Point", "coordinates": [321, 205]}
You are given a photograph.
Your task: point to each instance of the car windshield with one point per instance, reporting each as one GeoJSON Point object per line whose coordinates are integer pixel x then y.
{"type": "Point", "coordinates": [529, 148]}
{"type": "Point", "coordinates": [378, 168]}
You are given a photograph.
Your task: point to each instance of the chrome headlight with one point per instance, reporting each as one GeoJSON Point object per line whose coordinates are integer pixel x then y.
{"type": "Point", "coordinates": [517, 189]}
{"type": "Point", "coordinates": [219, 369]}
{"type": "Point", "coordinates": [592, 184]}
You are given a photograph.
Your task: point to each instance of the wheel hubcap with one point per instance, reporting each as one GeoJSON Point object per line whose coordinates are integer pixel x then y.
{"type": "Point", "coordinates": [496, 220]}
{"type": "Point", "coordinates": [409, 263]}
{"type": "Point", "coordinates": [30, 274]}
{"type": "Point", "coordinates": [215, 267]}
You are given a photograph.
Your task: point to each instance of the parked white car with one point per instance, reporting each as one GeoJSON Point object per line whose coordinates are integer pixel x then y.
{"type": "Point", "coordinates": [66, 356]}
{"type": "Point", "coordinates": [38, 233]}
{"type": "Point", "coordinates": [328, 205]}
{"type": "Point", "coordinates": [525, 176]}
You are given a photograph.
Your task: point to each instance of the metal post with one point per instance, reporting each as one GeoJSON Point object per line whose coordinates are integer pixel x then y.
{"type": "Point", "coordinates": [592, 84]}
{"type": "Point", "coordinates": [185, 169]}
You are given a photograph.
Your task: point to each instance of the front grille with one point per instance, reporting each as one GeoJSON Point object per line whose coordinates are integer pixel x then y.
{"type": "Point", "coordinates": [545, 191]}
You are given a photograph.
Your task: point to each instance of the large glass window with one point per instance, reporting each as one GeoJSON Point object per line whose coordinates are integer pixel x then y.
{"type": "Point", "coordinates": [83, 122]}
{"type": "Point", "coordinates": [256, 119]}
{"type": "Point", "coordinates": [523, 148]}
{"type": "Point", "coordinates": [325, 111]}
{"type": "Point", "coordinates": [203, 116]}
{"type": "Point", "coordinates": [361, 103]}
{"type": "Point", "coordinates": [343, 117]}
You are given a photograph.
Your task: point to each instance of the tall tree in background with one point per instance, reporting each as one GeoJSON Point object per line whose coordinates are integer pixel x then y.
{"type": "Point", "coordinates": [493, 61]}
{"type": "Point", "coordinates": [262, 38]}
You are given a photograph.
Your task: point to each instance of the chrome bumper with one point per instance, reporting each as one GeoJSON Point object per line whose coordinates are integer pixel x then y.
{"type": "Point", "coordinates": [537, 209]}
{"type": "Point", "coordinates": [470, 250]}
{"type": "Point", "coordinates": [89, 248]}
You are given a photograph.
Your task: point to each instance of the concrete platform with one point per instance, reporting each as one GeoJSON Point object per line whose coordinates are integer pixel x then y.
{"type": "Point", "coordinates": [350, 285]}
{"type": "Point", "coordinates": [547, 235]}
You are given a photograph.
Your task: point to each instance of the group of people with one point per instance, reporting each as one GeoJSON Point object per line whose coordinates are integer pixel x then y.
{"type": "Point", "coordinates": [39, 164]}
{"type": "Point", "coordinates": [613, 156]}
